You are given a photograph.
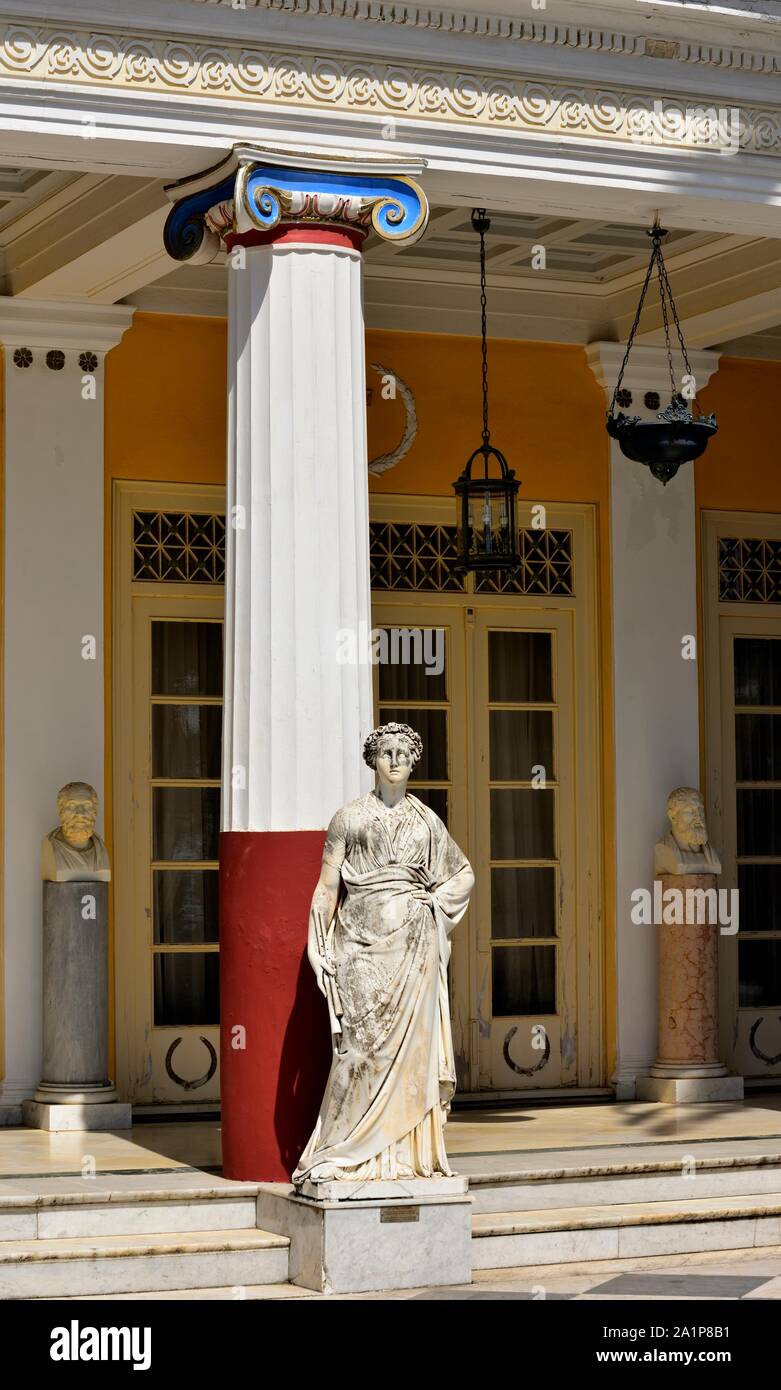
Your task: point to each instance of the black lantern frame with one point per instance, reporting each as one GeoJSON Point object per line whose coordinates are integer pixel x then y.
{"type": "Point", "coordinates": [487, 531]}
{"type": "Point", "coordinates": [677, 435]}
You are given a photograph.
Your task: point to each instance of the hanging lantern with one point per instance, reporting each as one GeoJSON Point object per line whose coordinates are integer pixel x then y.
{"type": "Point", "coordinates": [486, 490]}
{"type": "Point", "coordinates": [677, 435]}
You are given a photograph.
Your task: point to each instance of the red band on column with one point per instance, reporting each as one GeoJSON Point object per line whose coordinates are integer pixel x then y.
{"type": "Point", "coordinates": [348, 238]}
{"type": "Point", "coordinates": [272, 1086]}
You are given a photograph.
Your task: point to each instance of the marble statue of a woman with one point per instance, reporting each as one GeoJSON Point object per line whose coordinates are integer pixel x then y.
{"type": "Point", "coordinates": [393, 885]}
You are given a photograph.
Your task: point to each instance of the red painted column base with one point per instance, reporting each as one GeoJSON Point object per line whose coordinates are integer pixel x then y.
{"type": "Point", "coordinates": [274, 1071]}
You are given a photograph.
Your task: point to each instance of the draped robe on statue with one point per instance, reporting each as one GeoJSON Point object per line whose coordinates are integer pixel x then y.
{"type": "Point", "coordinates": [393, 1075]}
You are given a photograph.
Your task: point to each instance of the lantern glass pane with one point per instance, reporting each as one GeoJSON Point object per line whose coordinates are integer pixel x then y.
{"type": "Point", "coordinates": [490, 523]}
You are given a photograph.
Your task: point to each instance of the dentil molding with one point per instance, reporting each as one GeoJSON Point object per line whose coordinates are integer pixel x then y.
{"type": "Point", "coordinates": [388, 90]}
{"type": "Point", "coordinates": [536, 29]}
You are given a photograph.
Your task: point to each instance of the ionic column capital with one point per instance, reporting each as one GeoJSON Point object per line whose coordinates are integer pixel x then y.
{"type": "Point", "coordinates": [263, 195]}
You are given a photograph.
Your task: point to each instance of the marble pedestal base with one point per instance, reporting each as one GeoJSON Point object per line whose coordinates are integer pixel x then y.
{"type": "Point", "coordinates": [687, 1070]}
{"type": "Point", "coordinates": [690, 1090]}
{"type": "Point", "coordinates": [363, 1245]}
{"type": "Point", "coordinates": [109, 1114]}
{"type": "Point", "coordinates": [75, 1092]}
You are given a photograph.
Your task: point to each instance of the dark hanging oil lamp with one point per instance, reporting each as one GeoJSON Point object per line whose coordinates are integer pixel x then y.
{"type": "Point", "coordinates": [486, 490]}
{"type": "Point", "coordinates": [677, 435]}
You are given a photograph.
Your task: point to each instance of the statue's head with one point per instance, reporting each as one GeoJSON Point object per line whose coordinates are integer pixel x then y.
{"type": "Point", "coordinates": [392, 751]}
{"type": "Point", "coordinates": [77, 808]}
{"type": "Point", "coordinates": [686, 812]}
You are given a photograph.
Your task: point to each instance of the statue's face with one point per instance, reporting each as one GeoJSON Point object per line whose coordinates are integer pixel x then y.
{"type": "Point", "coordinates": [394, 759]}
{"type": "Point", "coordinates": [688, 823]}
{"type": "Point", "coordinates": [77, 818]}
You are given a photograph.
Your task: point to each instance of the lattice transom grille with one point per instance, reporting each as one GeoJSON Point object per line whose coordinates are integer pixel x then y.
{"type": "Point", "coordinates": [406, 555]}
{"type": "Point", "coordinates": [546, 567]}
{"type": "Point", "coordinates": [179, 547]}
{"type": "Point", "coordinates": [749, 570]}
{"type": "Point", "coordinates": [411, 556]}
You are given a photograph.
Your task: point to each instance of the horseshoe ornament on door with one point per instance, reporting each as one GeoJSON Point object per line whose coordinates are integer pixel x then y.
{"type": "Point", "coordinates": [757, 1051]}
{"type": "Point", "coordinates": [524, 1071]}
{"type": "Point", "coordinates": [199, 1080]}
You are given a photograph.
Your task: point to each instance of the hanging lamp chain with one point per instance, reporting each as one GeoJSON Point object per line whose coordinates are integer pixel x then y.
{"type": "Point", "coordinates": [656, 262]}
{"type": "Point", "coordinates": [481, 223]}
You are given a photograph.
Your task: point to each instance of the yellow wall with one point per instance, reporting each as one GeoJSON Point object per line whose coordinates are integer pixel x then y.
{"type": "Point", "coordinates": [165, 421]}
{"type": "Point", "coordinates": [740, 470]}
{"type": "Point", "coordinates": [166, 401]}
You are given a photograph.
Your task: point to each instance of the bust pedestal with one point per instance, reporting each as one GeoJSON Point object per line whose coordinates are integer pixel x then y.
{"type": "Point", "coordinates": [688, 1068]}
{"type": "Point", "coordinates": [75, 1092]}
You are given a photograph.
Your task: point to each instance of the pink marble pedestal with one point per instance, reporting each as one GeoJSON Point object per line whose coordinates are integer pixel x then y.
{"type": "Point", "coordinates": [688, 1068]}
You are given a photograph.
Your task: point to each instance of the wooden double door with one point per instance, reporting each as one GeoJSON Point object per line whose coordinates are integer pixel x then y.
{"type": "Point", "coordinates": [493, 695]}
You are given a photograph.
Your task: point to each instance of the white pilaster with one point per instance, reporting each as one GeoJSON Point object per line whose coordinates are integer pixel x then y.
{"type": "Point", "coordinates": [53, 690]}
{"type": "Point", "coordinates": [298, 561]}
{"type": "Point", "coordinates": [655, 690]}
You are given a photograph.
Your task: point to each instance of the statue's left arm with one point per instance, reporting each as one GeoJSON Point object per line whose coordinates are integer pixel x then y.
{"type": "Point", "coordinates": [453, 877]}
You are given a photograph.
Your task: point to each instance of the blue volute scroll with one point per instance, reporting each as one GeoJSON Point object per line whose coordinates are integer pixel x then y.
{"type": "Point", "coordinates": [268, 194]}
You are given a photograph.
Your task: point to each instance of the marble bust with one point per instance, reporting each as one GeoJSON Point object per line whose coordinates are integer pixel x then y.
{"type": "Point", "coordinates": [392, 887]}
{"type": "Point", "coordinates": [685, 848]}
{"type": "Point", "coordinates": [73, 852]}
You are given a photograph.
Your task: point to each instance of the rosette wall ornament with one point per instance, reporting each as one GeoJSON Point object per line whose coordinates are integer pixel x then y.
{"type": "Point", "coordinates": [251, 200]}
{"type": "Point", "coordinates": [680, 433]}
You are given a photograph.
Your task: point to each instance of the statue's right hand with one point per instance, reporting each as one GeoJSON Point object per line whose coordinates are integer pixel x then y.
{"type": "Point", "coordinates": [321, 967]}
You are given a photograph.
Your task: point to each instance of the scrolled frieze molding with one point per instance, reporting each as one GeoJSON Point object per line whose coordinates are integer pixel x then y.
{"type": "Point", "coordinates": [250, 194]}
{"type": "Point", "coordinates": [375, 87]}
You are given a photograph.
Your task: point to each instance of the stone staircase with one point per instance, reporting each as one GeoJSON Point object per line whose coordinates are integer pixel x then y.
{"type": "Point", "coordinates": [187, 1234]}
{"type": "Point", "coordinates": [634, 1204]}
{"type": "Point", "coordinates": [152, 1236]}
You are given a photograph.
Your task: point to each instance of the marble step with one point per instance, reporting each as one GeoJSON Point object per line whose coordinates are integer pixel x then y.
{"type": "Point", "coordinates": [32, 1269]}
{"type": "Point", "coordinates": [125, 1210]}
{"type": "Point", "coordinates": [503, 1240]}
{"type": "Point", "coordinates": [638, 1180]}
{"type": "Point", "coordinates": [252, 1293]}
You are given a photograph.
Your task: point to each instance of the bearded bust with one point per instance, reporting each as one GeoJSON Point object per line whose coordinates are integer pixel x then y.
{"type": "Point", "coordinates": [685, 848]}
{"type": "Point", "coordinates": [73, 852]}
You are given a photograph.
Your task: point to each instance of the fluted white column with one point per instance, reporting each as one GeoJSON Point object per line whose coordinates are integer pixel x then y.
{"type": "Point", "coordinates": [298, 535]}
{"type": "Point", "coordinates": [295, 714]}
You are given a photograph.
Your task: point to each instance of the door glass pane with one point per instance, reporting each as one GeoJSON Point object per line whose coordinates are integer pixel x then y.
{"type": "Point", "coordinates": [186, 740]}
{"type": "Point", "coordinates": [187, 988]}
{"type": "Point", "coordinates": [185, 822]}
{"type": "Point", "coordinates": [519, 741]}
{"type": "Point", "coordinates": [760, 974]}
{"type": "Point", "coordinates": [524, 980]}
{"type": "Point", "coordinates": [522, 824]}
{"type": "Point", "coordinates": [435, 797]}
{"type": "Point", "coordinates": [523, 902]}
{"type": "Point", "coordinates": [186, 658]}
{"type": "Point", "coordinates": [757, 671]}
{"type": "Point", "coordinates": [520, 667]}
{"type": "Point", "coordinates": [759, 821]}
{"type": "Point", "coordinates": [411, 669]}
{"type": "Point", "coordinates": [186, 906]}
{"type": "Point", "coordinates": [431, 724]}
{"type": "Point", "coordinates": [759, 886]}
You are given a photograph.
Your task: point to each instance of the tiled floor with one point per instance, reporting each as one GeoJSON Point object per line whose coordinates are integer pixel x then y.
{"type": "Point", "coordinates": [713, 1275]}
{"type": "Point", "coordinates": [484, 1138]}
